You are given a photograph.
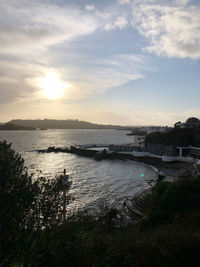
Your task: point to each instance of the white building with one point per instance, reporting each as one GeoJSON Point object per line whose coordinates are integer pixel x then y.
{"type": "Point", "coordinates": [152, 129]}
{"type": "Point", "coordinates": [138, 140]}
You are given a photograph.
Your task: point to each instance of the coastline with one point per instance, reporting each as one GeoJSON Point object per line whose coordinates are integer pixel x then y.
{"type": "Point", "coordinates": [133, 206]}
{"type": "Point", "coordinates": [171, 169]}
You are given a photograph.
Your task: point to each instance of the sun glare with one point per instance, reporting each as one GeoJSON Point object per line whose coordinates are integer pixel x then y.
{"type": "Point", "coordinates": [52, 86]}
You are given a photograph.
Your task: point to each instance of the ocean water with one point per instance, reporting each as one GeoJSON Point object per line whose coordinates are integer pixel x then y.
{"type": "Point", "coordinates": [94, 182]}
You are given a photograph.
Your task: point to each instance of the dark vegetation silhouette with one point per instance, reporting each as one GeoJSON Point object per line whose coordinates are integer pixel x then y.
{"type": "Point", "coordinates": [176, 137]}
{"type": "Point", "coordinates": [33, 233]}
{"type": "Point", "coordinates": [27, 204]}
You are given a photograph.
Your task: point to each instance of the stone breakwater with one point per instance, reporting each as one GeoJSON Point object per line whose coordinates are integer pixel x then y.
{"type": "Point", "coordinates": [101, 155]}
{"type": "Point", "coordinates": [172, 169]}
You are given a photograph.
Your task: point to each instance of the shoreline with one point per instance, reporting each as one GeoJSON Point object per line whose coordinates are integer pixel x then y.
{"type": "Point", "coordinates": [172, 170]}
{"type": "Point", "coordinates": [134, 204]}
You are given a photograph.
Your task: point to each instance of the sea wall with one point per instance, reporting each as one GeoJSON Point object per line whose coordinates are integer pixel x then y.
{"type": "Point", "coordinates": [83, 152]}
{"type": "Point", "coordinates": [144, 157]}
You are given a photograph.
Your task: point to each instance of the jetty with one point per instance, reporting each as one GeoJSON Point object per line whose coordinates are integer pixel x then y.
{"type": "Point", "coordinates": [171, 166]}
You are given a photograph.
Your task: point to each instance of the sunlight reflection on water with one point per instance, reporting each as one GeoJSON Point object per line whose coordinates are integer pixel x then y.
{"type": "Point", "coordinates": [93, 181]}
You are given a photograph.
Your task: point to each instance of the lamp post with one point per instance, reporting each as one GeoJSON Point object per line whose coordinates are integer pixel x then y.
{"type": "Point", "coordinates": [65, 183]}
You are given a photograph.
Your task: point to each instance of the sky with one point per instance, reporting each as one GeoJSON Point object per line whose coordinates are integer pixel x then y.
{"type": "Point", "coordinates": [128, 62]}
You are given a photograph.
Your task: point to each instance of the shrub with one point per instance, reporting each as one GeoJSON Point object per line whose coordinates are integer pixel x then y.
{"type": "Point", "coordinates": [170, 200]}
{"type": "Point", "coordinates": [16, 198]}
{"type": "Point", "coordinates": [26, 205]}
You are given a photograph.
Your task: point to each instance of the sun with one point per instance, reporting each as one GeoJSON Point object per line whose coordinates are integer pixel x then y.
{"type": "Point", "coordinates": [52, 86]}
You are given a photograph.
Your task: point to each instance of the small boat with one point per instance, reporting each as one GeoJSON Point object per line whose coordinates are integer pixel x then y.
{"type": "Point", "coordinates": [130, 134]}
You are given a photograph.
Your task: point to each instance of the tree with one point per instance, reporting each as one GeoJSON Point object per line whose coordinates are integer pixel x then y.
{"type": "Point", "coordinates": [176, 137]}
{"type": "Point", "coordinates": [27, 205]}
{"type": "Point", "coordinates": [16, 198]}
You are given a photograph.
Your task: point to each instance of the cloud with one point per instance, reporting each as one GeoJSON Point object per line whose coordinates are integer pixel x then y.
{"type": "Point", "coordinates": [120, 23]}
{"type": "Point", "coordinates": [183, 2]}
{"type": "Point", "coordinates": [101, 74]}
{"type": "Point", "coordinates": [89, 7]}
{"type": "Point", "coordinates": [124, 1]}
{"type": "Point", "coordinates": [173, 30]}
{"type": "Point", "coordinates": [32, 25]}
{"type": "Point", "coordinates": [30, 29]}
{"type": "Point", "coordinates": [13, 79]}
{"type": "Point", "coordinates": [161, 118]}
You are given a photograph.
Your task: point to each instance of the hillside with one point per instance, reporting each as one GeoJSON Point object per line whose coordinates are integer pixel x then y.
{"type": "Point", "coordinates": [10, 126]}
{"type": "Point", "coordinates": [64, 124]}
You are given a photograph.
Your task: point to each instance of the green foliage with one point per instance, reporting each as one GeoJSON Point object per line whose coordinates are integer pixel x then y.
{"type": "Point", "coordinates": [32, 232]}
{"type": "Point", "coordinates": [86, 240]}
{"type": "Point", "coordinates": [108, 217]}
{"type": "Point", "coordinates": [159, 189]}
{"type": "Point", "coordinates": [48, 205]}
{"type": "Point", "coordinates": [172, 200]}
{"type": "Point", "coordinates": [176, 137]}
{"type": "Point", "coordinates": [27, 205]}
{"type": "Point", "coordinates": [16, 198]}
{"type": "Point", "coordinates": [76, 243]}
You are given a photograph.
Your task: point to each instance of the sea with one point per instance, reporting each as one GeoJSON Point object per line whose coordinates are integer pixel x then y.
{"type": "Point", "coordinates": [95, 184]}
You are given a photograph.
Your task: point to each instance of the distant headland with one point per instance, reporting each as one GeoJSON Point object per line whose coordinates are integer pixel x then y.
{"type": "Point", "coordinates": [64, 124]}
{"type": "Point", "coordinates": [11, 127]}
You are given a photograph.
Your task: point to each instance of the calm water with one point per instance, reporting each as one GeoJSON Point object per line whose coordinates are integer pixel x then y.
{"type": "Point", "coordinates": [94, 182]}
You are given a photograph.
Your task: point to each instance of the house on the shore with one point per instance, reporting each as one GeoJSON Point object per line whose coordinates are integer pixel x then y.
{"type": "Point", "coordinates": [179, 143]}
{"type": "Point", "coordinates": [139, 140]}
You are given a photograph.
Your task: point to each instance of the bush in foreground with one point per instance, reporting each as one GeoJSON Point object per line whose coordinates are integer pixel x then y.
{"type": "Point", "coordinates": [170, 201]}
{"type": "Point", "coordinates": [33, 233]}
{"type": "Point", "coordinates": [26, 205]}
